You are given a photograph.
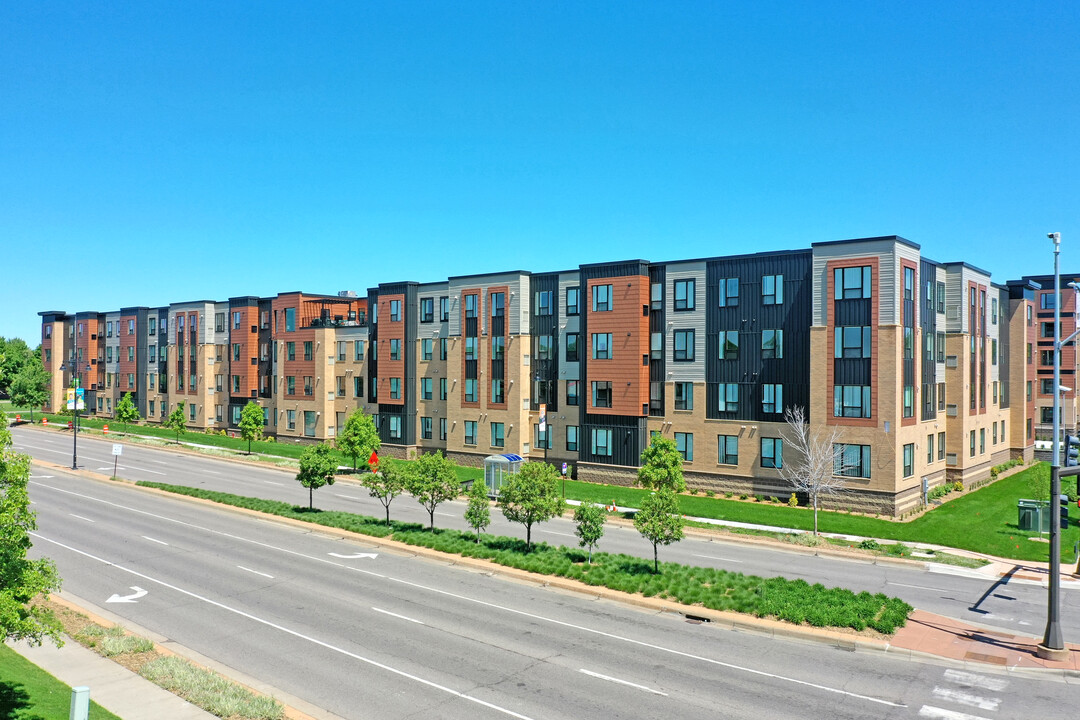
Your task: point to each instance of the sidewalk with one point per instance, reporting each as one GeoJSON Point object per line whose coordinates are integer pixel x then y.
{"type": "Point", "coordinates": [112, 686]}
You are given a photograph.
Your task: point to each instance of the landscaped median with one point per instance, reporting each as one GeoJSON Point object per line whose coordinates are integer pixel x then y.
{"type": "Point", "coordinates": [794, 601]}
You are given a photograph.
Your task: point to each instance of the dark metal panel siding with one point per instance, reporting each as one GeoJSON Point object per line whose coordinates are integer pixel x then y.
{"type": "Point", "coordinates": [852, 312]}
{"type": "Point", "coordinates": [1003, 346]}
{"type": "Point", "coordinates": [371, 356]}
{"type": "Point", "coordinates": [657, 324]}
{"type": "Point", "coordinates": [928, 323]}
{"type": "Point", "coordinates": [141, 359]}
{"type": "Point", "coordinates": [629, 437]}
{"type": "Point", "coordinates": [547, 371]}
{"type": "Point", "coordinates": [749, 318]}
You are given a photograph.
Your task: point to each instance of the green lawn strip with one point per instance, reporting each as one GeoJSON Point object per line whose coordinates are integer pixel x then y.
{"type": "Point", "coordinates": [793, 600]}
{"type": "Point", "coordinates": [29, 693]}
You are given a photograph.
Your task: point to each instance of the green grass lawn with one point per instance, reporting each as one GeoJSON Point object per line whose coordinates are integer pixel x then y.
{"type": "Point", "coordinates": [29, 693]}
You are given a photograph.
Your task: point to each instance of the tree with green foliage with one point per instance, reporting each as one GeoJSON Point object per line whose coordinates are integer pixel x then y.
{"type": "Point", "coordinates": [21, 579]}
{"type": "Point", "coordinates": [176, 421]}
{"type": "Point", "coordinates": [30, 387]}
{"type": "Point", "coordinates": [530, 496]}
{"type": "Point", "coordinates": [386, 484]}
{"type": "Point", "coordinates": [317, 468]}
{"type": "Point", "coordinates": [251, 423]}
{"type": "Point", "coordinates": [478, 511]}
{"type": "Point", "coordinates": [661, 466]}
{"type": "Point", "coordinates": [14, 355]}
{"type": "Point", "coordinates": [433, 482]}
{"type": "Point", "coordinates": [589, 518]}
{"type": "Point", "coordinates": [126, 412]}
{"type": "Point", "coordinates": [359, 437]}
{"type": "Point", "coordinates": [659, 521]}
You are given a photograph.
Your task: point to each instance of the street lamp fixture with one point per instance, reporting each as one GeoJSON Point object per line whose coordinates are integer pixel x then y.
{"type": "Point", "coordinates": [75, 381]}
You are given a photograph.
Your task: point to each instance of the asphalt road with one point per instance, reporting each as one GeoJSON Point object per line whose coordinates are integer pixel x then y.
{"type": "Point", "coordinates": [364, 633]}
{"type": "Point", "coordinates": [1010, 605]}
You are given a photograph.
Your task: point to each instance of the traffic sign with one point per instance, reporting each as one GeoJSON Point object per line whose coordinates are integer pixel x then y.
{"type": "Point", "coordinates": [564, 468]}
{"type": "Point", "coordinates": [117, 449]}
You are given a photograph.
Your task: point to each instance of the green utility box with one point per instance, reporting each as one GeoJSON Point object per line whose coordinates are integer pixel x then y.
{"type": "Point", "coordinates": [1033, 515]}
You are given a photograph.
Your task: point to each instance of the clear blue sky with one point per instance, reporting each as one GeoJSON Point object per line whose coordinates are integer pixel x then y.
{"type": "Point", "coordinates": [153, 153]}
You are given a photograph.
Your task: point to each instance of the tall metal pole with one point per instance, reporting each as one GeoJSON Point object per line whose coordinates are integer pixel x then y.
{"type": "Point", "coordinates": [75, 425]}
{"type": "Point", "coordinates": [1053, 644]}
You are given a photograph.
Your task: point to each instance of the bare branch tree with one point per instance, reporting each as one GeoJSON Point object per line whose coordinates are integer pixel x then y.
{"type": "Point", "coordinates": [820, 464]}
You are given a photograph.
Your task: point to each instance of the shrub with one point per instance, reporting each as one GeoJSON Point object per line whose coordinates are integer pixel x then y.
{"type": "Point", "coordinates": [793, 501]}
{"type": "Point", "coordinates": [807, 539]}
{"type": "Point", "coordinates": [870, 544]}
{"type": "Point", "coordinates": [759, 498]}
{"type": "Point", "coordinates": [729, 494]}
{"type": "Point", "coordinates": [114, 640]}
{"type": "Point", "coordinates": [742, 497]}
{"type": "Point", "coordinates": [958, 486]}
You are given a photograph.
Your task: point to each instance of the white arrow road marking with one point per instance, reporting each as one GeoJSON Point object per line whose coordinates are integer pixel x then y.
{"type": "Point", "coordinates": [353, 556]}
{"type": "Point", "coordinates": [972, 680]}
{"type": "Point", "coordinates": [965, 698]}
{"type": "Point", "coordinates": [139, 592]}
{"type": "Point", "coordinates": [622, 682]}
{"type": "Point", "coordinates": [256, 572]}
{"type": "Point", "coordinates": [80, 517]}
{"type": "Point", "coordinates": [160, 542]}
{"type": "Point", "coordinates": [400, 617]}
{"type": "Point", "coordinates": [713, 557]}
{"type": "Point", "coordinates": [929, 711]}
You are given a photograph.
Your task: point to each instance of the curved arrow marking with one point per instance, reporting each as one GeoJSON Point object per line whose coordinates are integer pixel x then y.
{"type": "Point", "coordinates": [354, 556]}
{"type": "Point", "coordinates": [134, 597]}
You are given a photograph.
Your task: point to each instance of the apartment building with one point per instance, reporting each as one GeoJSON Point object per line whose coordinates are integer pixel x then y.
{"type": "Point", "coordinates": [926, 370]}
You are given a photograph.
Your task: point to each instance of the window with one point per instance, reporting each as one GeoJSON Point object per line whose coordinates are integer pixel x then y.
{"type": "Point", "coordinates": [442, 388]}
{"type": "Point", "coordinates": [684, 294]}
{"type": "Point", "coordinates": [108, 329]}
{"type": "Point", "coordinates": [395, 388]}
{"type": "Point", "coordinates": [191, 411]}
{"type": "Point", "coordinates": [108, 354]}
{"type": "Point", "coordinates": [571, 437]}
{"type": "Point", "coordinates": [470, 432]}
{"type": "Point", "coordinates": [152, 326]}
{"type": "Point", "coordinates": [851, 460]}
{"type": "Point", "coordinates": [909, 457]}
{"type": "Point", "coordinates": [982, 440]}
{"type": "Point", "coordinates": [498, 304]}
{"type": "Point", "coordinates": [1029, 391]}
{"type": "Point", "coordinates": [1046, 330]}
{"type": "Point", "coordinates": [909, 343]}
{"type": "Point", "coordinates": [1047, 357]}
{"type": "Point", "coordinates": [909, 401]}
{"type": "Point", "coordinates": [308, 350]}
{"type": "Point", "coordinates": [572, 392]}
{"type": "Point", "coordinates": [470, 348]}
{"type": "Point", "coordinates": [1046, 300]}
{"type": "Point", "coordinates": [601, 442]}
{"type": "Point", "coordinates": [290, 419]}
{"type": "Point", "coordinates": [498, 438]}
{"type": "Point", "coordinates": [993, 427]}
{"type": "Point", "coordinates": [151, 408]}
{"type": "Point", "coordinates": [930, 448]}
{"type": "Point", "coordinates": [940, 343]}
{"type": "Point", "coordinates": [190, 387]}
{"type": "Point", "coordinates": [290, 350]}
{"type": "Point", "coordinates": [728, 400]}
{"type": "Point", "coordinates": [498, 347]}
{"type": "Point", "coordinates": [909, 283]}
{"type": "Point", "coordinates": [427, 348]}
{"type": "Point", "coordinates": [940, 294]}
{"type": "Point", "coordinates": [425, 428]}
{"type": "Point", "coordinates": [444, 309]}
{"type": "Point", "coordinates": [544, 347]}
{"type": "Point", "coordinates": [601, 394]}
{"type": "Point", "coordinates": [656, 345]}
{"type": "Point", "coordinates": [542, 438]}
{"type": "Point", "coordinates": [772, 398]}
{"type": "Point", "coordinates": [236, 384]}
{"type": "Point", "coordinates": [290, 385]}
{"type": "Point", "coordinates": [941, 446]}
{"type": "Point", "coordinates": [993, 352]}
{"type": "Point", "coordinates": [498, 395]}
{"type": "Point", "coordinates": [851, 283]}
{"type": "Point", "coordinates": [131, 380]}
{"type": "Point", "coordinates": [236, 352]}
{"type": "Point", "coordinates": [573, 300]}
{"type": "Point", "coordinates": [471, 392]}
{"type": "Point", "coordinates": [219, 322]}
{"type": "Point", "coordinates": [234, 412]}
{"type": "Point", "coordinates": [358, 386]}
{"type": "Point", "coordinates": [852, 342]}
{"type": "Point", "coordinates": [442, 348]}
{"type": "Point", "coordinates": [426, 385]}
{"type": "Point", "coordinates": [772, 289]}
{"type": "Point", "coordinates": [772, 453]}
{"type": "Point", "coordinates": [1046, 416]}
{"type": "Point", "coordinates": [993, 311]}
{"type": "Point", "coordinates": [772, 344]}
{"type": "Point", "coordinates": [684, 396]}
{"type": "Point", "coordinates": [727, 447]}
{"type": "Point", "coordinates": [131, 327]}
{"type": "Point", "coordinates": [601, 298]}
{"type": "Point", "coordinates": [442, 428]}
{"type": "Point", "coordinates": [851, 401]}
{"type": "Point", "coordinates": [290, 320]}
{"type": "Point", "coordinates": [309, 386]}
{"type": "Point", "coordinates": [572, 347]}
{"type": "Point", "coordinates": [470, 306]}
{"type": "Point", "coordinates": [543, 302]}
{"type": "Point", "coordinates": [729, 344]}
{"type": "Point", "coordinates": [656, 296]}
{"type": "Point", "coordinates": [395, 349]}
{"type": "Point", "coordinates": [1046, 386]}
{"type": "Point", "coordinates": [971, 442]}
{"type": "Point", "coordinates": [395, 311]}
{"type": "Point", "coordinates": [601, 346]}
{"type": "Point", "coordinates": [684, 345]}
{"type": "Point", "coordinates": [1028, 308]}
{"type": "Point", "coordinates": [729, 292]}
{"type": "Point", "coordinates": [427, 310]}
{"type": "Point", "coordinates": [395, 427]}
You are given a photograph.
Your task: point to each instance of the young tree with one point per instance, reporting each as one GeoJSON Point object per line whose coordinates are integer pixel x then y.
{"type": "Point", "coordinates": [14, 355]}
{"type": "Point", "coordinates": [30, 387]}
{"type": "Point", "coordinates": [359, 437]}
{"type": "Point", "coordinates": [317, 468]}
{"type": "Point", "coordinates": [820, 464]}
{"type": "Point", "coordinates": [176, 421]}
{"type": "Point", "coordinates": [661, 466]}
{"type": "Point", "coordinates": [659, 521]}
{"type": "Point", "coordinates": [386, 484]}
{"type": "Point", "coordinates": [433, 482]}
{"type": "Point", "coordinates": [531, 496]}
{"type": "Point", "coordinates": [251, 423]}
{"type": "Point", "coordinates": [478, 512]}
{"type": "Point", "coordinates": [589, 518]}
{"type": "Point", "coordinates": [126, 412]}
{"type": "Point", "coordinates": [22, 579]}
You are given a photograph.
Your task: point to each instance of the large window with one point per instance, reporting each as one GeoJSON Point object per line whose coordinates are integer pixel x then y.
{"type": "Point", "coordinates": [1047, 300]}
{"type": "Point", "coordinates": [909, 460]}
{"type": "Point", "coordinates": [572, 392]}
{"type": "Point", "coordinates": [728, 397]}
{"type": "Point", "coordinates": [498, 435]}
{"type": "Point", "coordinates": [290, 350]}
{"type": "Point", "coordinates": [601, 346]}
{"type": "Point", "coordinates": [601, 298]}
{"type": "Point", "coordinates": [395, 349]}
{"type": "Point", "coordinates": [290, 320]}
{"type": "Point", "coordinates": [772, 398]}
{"type": "Point", "coordinates": [470, 432]}
{"type": "Point", "coordinates": [395, 311]}
{"type": "Point", "coordinates": [851, 401]}
{"type": "Point", "coordinates": [309, 385]}
{"type": "Point", "coordinates": [727, 447]}
{"type": "Point", "coordinates": [684, 443]}
{"type": "Point", "coordinates": [310, 418]}
{"type": "Point", "coordinates": [542, 438]}
{"type": "Point", "coordinates": [684, 294]}
{"type": "Point", "coordinates": [601, 442]}
{"type": "Point", "coordinates": [772, 344]}
{"type": "Point", "coordinates": [427, 310]}
{"type": "Point", "coordinates": [498, 393]}
{"type": "Point", "coordinates": [444, 309]}
{"type": "Point", "coordinates": [656, 345]}
{"type": "Point", "coordinates": [601, 393]}
{"type": "Point", "coordinates": [851, 341]}
{"type": "Point", "coordinates": [470, 348]}
{"type": "Point", "coordinates": [729, 292]}
{"type": "Point", "coordinates": [772, 452]}
{"type": "Point", "coordinates": [542, 302]}
{"type": "Point", "coordinates": [395, 388]}
{"type": "Point", "coordinates": [395, 427]}
{"type": "Point", "coordinates": [571, 438]}
{"type": "Point", "coordinates": [425, 428]}
{"type": "Point", "coordinates": [426, 386]}
{"type": "Point", "coordinates": [544, 347]}
{"type": "Point", "coordinates": [571, 347]}
{"type": "Point", "coordinates": [309, 352]}
{"type": "Point", "coordinates": [851, 283]}
{"type": "Point", "coordinates": [470, 305]}
{"type": "Point", "coordinates": [471, 393]}
{"type": "Point", "coordinates": [684, 345]}
{"type": "Point", "coordinates": [772, 289]}
{"type": "Point", "coordinates": [498, 304]}
{"type": "Point", "coordinates": [498, 347]}
{"type": "Point", "coordinates": [573, 300]}
{"type": "Point", "coordinates": [851, 460]}
{"type": "Point", "coordinates": [358, 350]}
{"type": "Point", "coordinates": [684, 396]}
{"type": "Point", "coordinates": [729, 344]}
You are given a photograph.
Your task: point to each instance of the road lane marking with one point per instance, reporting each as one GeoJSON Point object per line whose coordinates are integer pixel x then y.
{"type": "Point", "coordinates": [972, 680]}
{"type": "Point", "coordinates": [161, 542]}
{"type": "Point", "coordinates": [400, 617]}
{"type": "Point", "coordinates": [212, 472]}
{"type": "Point", "coordinates": [622, 682]}
{"type": "Point", "coordinates": [713, 557]}
{"type": "Point", "coordinates": [147, 470]}
{"type": "Point", "coordinates": [347, 497]}
{"type": "Point", "coordinates": [446, 514]}
{"type": "Point", "coordinates": [271, 482]}
{"type": "Point", "coordinates": [160, 462]}
{"type": "Point", "coordinates": [80, 517]}
{"type": "Point", "coordinates": [485, 603]}
{"type": "Point", "coordinates": [929, 711]}
{"type": "Point", "coordinates": [290, 631]}
{"type": "Point", "coordinates": [354, 556]}
{"type": "Point", "coordinates": [917, 587]}
{"type": "Point", "coordinates": [256, 572]}
{"type": "Point", "coordinates": [965, 698]}
{"type": "Point", "coordinates": [554, 532]}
